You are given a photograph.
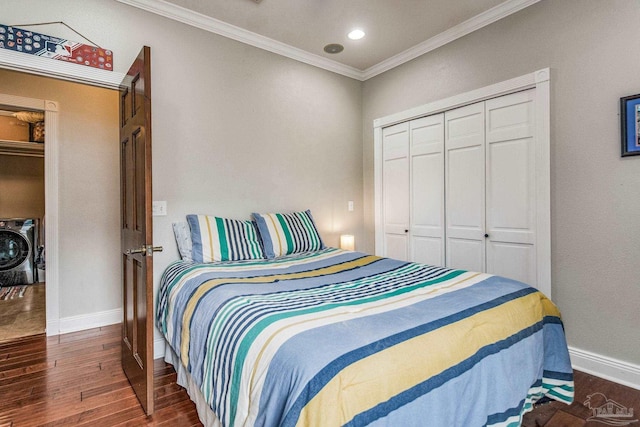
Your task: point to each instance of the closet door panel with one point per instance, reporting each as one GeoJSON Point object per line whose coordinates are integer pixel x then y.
{"type": "Point", "coordinates": [465, 126]}
{"type": "Point", "coordinates": [465, 187]}
{"type": "Point", "coordinates": [511, 202]}
{"type": "Point", "coordinates": [395, 190]}
{"type": "Point", "coordinates": [396, 246]}
{"type": "Point", "coordinates": [510, 190]}
{"type": "Point", "coordinates": [427, 193]}
{"type": "Point", "coordinates": [465, 254]}
{"type": "Point", "coordinates": [510, 116]}
{"type": "Point", "coordinates": [427, 250]}
{"type": "Point", "coordinates": [465, 201]}
{"type": "Point", "coordinates": [396, 200]}
{"type": "Point", "coordinates": [427, 190]}
{"type": "Point", "coordinates": [516, 261]}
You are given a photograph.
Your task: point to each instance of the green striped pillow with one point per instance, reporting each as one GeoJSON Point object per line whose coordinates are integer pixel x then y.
{"type": "Point", "coordinates": [221, 239]}
{"type": "Point", "coordinates": [289, 233]}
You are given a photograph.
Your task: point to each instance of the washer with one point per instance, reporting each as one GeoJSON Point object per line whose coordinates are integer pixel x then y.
{"type": "Point", "coordinates": [17, 243]}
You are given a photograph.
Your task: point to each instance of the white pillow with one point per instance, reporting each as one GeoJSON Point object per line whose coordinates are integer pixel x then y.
{"type": "Point", "coordinates": [183, 238]}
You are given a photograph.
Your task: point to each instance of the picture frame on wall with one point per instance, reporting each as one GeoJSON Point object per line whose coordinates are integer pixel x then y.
{"type": "Point", "coordinates": [630, 125]}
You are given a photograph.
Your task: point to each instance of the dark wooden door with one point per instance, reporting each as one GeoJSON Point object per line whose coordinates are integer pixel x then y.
{"type": "Point", "coordinates": [136, 237]}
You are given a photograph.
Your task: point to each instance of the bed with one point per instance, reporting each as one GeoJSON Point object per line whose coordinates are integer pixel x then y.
{"type": "Point", "coordinates": [331, 337]}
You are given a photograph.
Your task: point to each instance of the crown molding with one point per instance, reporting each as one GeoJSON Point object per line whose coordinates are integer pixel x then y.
{"type": "Point", "coordinates": [212, 25]}
{"type": "Point", "coordinates": [481, 20]}
{"type": "Point", "coordinates": [207, 23]}
{"type": "Point", "coordinates": [31, 64]}
{"type": "Point", "coordinates": [110, 79]}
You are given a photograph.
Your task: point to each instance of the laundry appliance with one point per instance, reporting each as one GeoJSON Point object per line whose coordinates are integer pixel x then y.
{"type": "Point", "coordinates": [17, 246]}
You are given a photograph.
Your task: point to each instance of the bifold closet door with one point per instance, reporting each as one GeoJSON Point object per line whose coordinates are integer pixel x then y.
{"type": "Point", "coordinates": [426, 234]}
{"type": "Point", "coordinates": [511, 191]}
{"type": "Point", "coordinates": [465, 187]}
{"type": "Point", "coordinates": [395, 191]}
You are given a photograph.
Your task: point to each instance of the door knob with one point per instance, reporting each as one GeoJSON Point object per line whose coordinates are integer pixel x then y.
{"type": "Point", "coordinates": [486, 235]}
{"type": "Point", "coordinates": [140, 250]}
{"type": "Point", "coordinates": [145, 250]}
{"type": "Point", "coordinates": [151, 249]}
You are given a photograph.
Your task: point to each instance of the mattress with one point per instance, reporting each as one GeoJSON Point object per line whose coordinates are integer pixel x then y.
{"type": "Point", "coordinates": [336, 337]}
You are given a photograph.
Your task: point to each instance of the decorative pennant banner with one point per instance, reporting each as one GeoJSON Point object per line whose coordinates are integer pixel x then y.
{"type": "Point", "coordinates": [19, 40]}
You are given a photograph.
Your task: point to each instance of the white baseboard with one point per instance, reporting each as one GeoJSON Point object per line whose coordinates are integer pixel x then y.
{"type": "Point", "coordinates": [96, 320]}
{"type": "Point", "coordinates": [53, 327]}
{"type": "Point", "coordinates": [624, 373]}
{"type": "Point", "coordinates": [158, 348]}
{"type": "Point", "coordinates": [89, 321]}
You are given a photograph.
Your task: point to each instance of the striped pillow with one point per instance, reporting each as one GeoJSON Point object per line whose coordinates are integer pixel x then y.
{"type": "Point", "coordinates": [290, 233]}
{"type": "Point", "coordinates": [220, 239]}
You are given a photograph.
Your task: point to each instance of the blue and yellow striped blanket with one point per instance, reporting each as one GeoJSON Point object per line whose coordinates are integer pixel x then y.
{"type": "Point", "coordinates": [334, 338]}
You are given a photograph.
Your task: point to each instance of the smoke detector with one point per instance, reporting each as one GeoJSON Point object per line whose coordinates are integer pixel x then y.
{"type": "Point", "coordinates": [333, 48]}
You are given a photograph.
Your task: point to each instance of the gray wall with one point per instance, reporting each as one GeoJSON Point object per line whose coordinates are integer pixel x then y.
{"type": "Point", "coordinates": [591, 47]}
{"type": "Point", "coordinates": [235, 130]}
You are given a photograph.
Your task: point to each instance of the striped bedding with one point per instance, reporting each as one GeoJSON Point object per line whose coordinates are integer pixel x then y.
{"type": "Point", "coordinates": [333, 337]}
{"type": "Point", "coordinates": [288, 233]}
{"type": "Point", "coordinates": [217, 239]}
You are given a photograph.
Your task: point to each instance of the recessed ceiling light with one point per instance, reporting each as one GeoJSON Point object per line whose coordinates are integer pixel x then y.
{"type": "Point", "coordinates": [333, 48]}
{"type": "Point", "coordinates": [356, 34]}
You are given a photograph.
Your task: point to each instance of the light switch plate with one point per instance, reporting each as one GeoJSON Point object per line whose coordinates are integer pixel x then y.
{"type": "Point", "coordinates": [159, 208]}
{"type": "Point", "coordinates": [350, 205]}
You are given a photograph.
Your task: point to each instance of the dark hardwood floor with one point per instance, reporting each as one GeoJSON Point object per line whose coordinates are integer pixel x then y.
{"type": "Point", "coordinates": [556, 414]}
{"type": "Point", "coordinates": [77, 380]}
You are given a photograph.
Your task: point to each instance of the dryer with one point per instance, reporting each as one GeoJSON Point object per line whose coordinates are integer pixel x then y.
{"type": "Point", "coordinates": [17, 244]}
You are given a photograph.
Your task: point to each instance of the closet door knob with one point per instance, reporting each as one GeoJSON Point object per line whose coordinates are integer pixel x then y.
{"type": "Point", "coordinates": [406, 231]}
{"type": "Point", "coordinates": [486, 235]}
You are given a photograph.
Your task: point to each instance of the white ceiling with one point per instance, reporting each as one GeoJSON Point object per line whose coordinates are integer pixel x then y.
{"type": "Point", "coordinates": [391, 26]}
{"type": "Point", "coordinates": [396, 30]}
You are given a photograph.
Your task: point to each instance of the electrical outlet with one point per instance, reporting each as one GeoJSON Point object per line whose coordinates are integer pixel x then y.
{"type": "Point", "coordinates": [350, 205]}
{"type": "Point", "coordinates": [159, 208]}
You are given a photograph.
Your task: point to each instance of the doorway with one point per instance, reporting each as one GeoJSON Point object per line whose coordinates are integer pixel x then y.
{"type": "Point", "coordinates": [22, 267]}
{"type": "Point", "coordinates": [81, 197]}
{"type": "Point", "coordinates": [23, 292]}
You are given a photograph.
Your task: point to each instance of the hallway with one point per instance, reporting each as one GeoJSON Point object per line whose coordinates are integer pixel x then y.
{"type": "Point", "coordinates": [23, 316]}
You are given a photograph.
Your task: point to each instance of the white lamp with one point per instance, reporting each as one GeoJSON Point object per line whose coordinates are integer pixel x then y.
{"type": "Point", "coordinates": [347, 242]}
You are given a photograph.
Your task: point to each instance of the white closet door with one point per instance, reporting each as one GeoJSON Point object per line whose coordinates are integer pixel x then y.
{"type": "Point", "coordinates": [465, 187]}
{"type": "Point", "coordinates": [426, 238]}
{"type": "Point", "coordinates": [395, 190]}
{"type": "Point", "coordinates": [511, 199]}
